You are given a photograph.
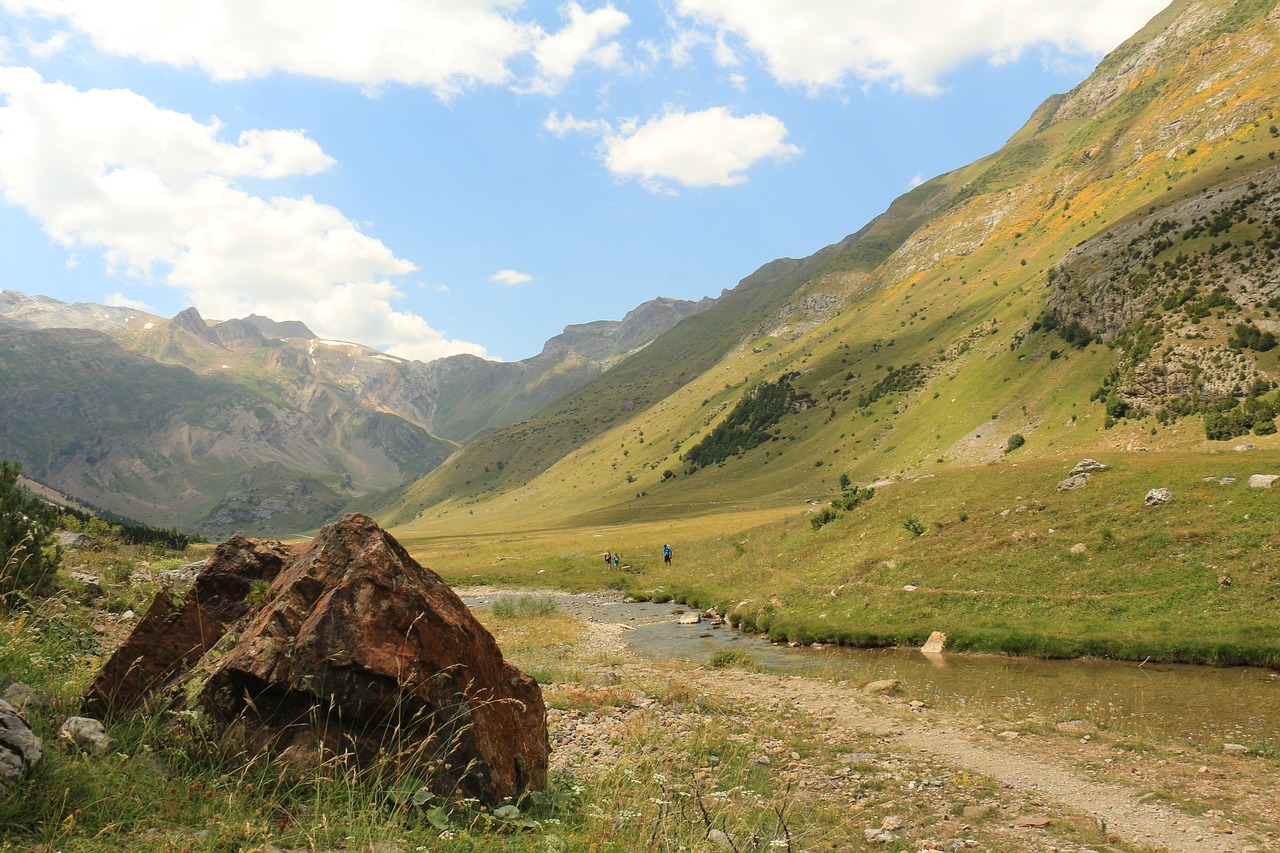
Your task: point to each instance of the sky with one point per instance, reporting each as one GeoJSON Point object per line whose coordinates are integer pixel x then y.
{"type": "Point", "coordinates": [435, 177]}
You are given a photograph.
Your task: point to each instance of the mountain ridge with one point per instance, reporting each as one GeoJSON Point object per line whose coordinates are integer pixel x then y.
{"type": "Point", "coordinates": [307, 424]}
{"type": "Point", "coordinates": [943, 294]}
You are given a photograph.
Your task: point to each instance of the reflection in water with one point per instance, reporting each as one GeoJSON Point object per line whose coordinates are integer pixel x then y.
{"type": "Point", "coordinates": [1203, 705]}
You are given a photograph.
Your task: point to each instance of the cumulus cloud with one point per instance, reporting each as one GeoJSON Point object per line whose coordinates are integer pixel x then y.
{"type": "Point", "coordinates": [585, 38]}
{"type": "Point", "coordinates": [911, 44]}
{"type": "Point", "coordinates": [156, 191]}
{"type": "Point", "coordinates": [708, 148]}
{"type": "Point", "coordinates": [511, 278]}
{"type": "Point", "coordinates": [119, 300]}
{"type": "Point", "coordinates": [448, 46]}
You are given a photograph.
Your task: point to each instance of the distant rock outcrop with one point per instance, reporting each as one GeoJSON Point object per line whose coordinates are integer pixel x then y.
{"type": "Point", "coordinates": [343, 647]}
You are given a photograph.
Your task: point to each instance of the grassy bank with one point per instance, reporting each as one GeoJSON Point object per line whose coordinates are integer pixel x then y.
{"type": "Point", "coordinates": [993, 555]}
{"type": "Point", "coordinates": [641, 763]}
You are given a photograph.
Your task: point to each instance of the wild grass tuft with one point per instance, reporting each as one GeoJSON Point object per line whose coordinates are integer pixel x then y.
{"type": "Point", "coordinates": [524, 606]}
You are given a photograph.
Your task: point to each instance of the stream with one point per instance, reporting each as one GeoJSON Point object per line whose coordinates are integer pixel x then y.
{"type": "Point", "coordinates": [1205, 706]}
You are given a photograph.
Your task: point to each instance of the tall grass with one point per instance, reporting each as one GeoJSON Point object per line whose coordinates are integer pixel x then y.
{"type": "Point", "coordinates": [523, 606]}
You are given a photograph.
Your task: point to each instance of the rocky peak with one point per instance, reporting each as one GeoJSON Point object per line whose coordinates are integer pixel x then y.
{"type": "Point", "coordinates": [189, 320]}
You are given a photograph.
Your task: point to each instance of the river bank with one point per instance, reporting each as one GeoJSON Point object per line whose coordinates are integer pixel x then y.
{"type": "Point", "coordinates": [1002, 780]}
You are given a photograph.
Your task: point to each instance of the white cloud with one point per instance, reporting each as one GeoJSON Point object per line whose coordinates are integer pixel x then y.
{"type": "Point", "coordinates": [156, 191]}
{"type": "Point", "coordinates": [119, 300]}
{"type": "Point", "coordinates": [553, 123]}
{"type": "Point", "coordinates": [911, 43]}
{"type": "Point", "coordinates": [708, 148]}
{"type": "Point", "coordinates": [511, 278]}
{"type": "Point", "coordinates": [51, 46]}
{"type": "Point", "coordinates": [448, 46]}
{"type": "Point", "coordinates": [559, 55]}
{"type": "Point", "coordinates": [445, 45]}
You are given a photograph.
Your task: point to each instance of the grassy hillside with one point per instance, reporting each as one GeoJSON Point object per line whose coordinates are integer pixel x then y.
{"type": "Point", "coordinates": [968, 320]}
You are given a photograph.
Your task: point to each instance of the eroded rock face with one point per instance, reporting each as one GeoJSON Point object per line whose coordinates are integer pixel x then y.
{"type": "Point", "coordinates": [356, 651]}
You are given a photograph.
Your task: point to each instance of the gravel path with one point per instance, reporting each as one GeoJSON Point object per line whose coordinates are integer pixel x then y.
{"type": "Point", "coordinates": [1083, 775]}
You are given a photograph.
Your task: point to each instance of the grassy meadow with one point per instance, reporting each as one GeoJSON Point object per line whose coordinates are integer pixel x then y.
{"type": "Point", "coordinates": [993, 555]}
{"type": "Point", "coordinates": [669, 766]}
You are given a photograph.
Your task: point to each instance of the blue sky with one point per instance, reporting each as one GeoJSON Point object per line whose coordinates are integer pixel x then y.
{"type": "Point", "coordinates": [442, 176]}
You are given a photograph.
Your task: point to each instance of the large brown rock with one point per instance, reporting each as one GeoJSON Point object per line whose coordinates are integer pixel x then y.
{"type": "Point", "coordinates": [356, 654]}
{"type": "Point", "coordinates": [172, 635]}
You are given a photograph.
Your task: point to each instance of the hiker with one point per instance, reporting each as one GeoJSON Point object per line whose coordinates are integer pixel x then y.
{"type": "Point", "coordinates": [608, 559]}
{"type": "Point", "coordinates": [666, 554]}
{"type": "Point", "coordinates": [617, 560]}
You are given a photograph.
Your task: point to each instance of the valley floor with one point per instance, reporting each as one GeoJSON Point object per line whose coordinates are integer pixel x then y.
{"type": "Point", "coordinates": [912, 777]}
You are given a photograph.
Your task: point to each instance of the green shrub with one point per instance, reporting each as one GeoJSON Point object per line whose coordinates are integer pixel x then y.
{"type": "Point", "coordinates": [824, 517]}
{"type": "Point", "coordinates": [1015, 441]}
{"type": "Point", "coordinates": [913, 526]}
{"type": "Point", "coordinates": [28, 554]}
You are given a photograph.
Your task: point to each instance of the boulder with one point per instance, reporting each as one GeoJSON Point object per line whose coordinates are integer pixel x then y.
{"type": "Point", "coordinates": [887, 685]}
{"type": "Point", "coordinates": [182, 577]}
{"type": "Point", "coordinates": [934, 644]}
{"type": "Point", "coordinates": [20, 749]}
{"type": "Point", "coordinates": [1087, 466]}
{"type": "Point", "coordinates": [85, 734]}
{"type": "Point", "coordinates": [172, 636]}
{"type": "Point", "coordinates": [1075, 481]}
{"type": "Point", "coordinates": [1262, 481]}
{"type": "Point", "coordinates": [23, 697]}
{"type": "Point", "coordinates": [91, 584]}
{"type": "Point", "coordinates": [1157, 497]}
{"type": "Point", "coordinates": [76, 541]}
{"type": "Point", "coordinates": [343, 649]}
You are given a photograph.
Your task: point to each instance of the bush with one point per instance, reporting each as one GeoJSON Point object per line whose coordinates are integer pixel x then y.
{"type": "Point", "coordinates": [523, 606]}
{"type": "Point", "coordinates": [851, 498]}
{"type": "Point", "coordinates": [28, 553]}
{"type": "Point", "coordinates": [1015, 441]}
{"type": "Point", "coordinates": [733, 660]}
{"type": "Point", "coordinates": [913, 526]}
{"type": "Point", "coordinates": [825, 517]}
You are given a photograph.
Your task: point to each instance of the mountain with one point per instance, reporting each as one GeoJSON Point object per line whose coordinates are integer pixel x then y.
{"type": "Point", "coordinates": [253, 425]}
{"type": "Point", "coordinates": [1105, 281]}
{"type": "Point", "coordinates": [19, 311]}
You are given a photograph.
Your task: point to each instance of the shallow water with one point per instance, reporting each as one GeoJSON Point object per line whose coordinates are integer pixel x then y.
{"type": "Point", "coordinates": [1206, 706]}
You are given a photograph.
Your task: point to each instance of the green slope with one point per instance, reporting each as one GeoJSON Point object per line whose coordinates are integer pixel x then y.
{"type": "Point", "coordinates": [1037, 294]}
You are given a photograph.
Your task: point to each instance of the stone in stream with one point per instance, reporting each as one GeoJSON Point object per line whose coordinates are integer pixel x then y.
{"type": "Point", "coordinates": [933, 645]}
{"type": "Point", "coordinates": [887, 685]}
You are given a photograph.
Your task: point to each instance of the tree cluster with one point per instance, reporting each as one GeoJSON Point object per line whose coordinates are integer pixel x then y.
{"type": "Point", "coordinates": [751, 422]}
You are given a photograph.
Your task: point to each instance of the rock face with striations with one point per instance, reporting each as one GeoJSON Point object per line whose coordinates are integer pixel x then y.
{"type": "Point", "coordinates": [354, 650]}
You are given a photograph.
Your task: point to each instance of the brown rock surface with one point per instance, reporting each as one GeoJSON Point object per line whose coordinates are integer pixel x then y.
{"type": "Point", "coordinates": [358, 652]}
{"type": "Point", "coordinates": [171, 637]}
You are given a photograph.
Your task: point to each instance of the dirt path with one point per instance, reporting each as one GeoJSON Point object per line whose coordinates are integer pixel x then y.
{"type": "Point", "coordinates": [1132, 797]}
{"type": "Point", "coordinates": [1027, 764]}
